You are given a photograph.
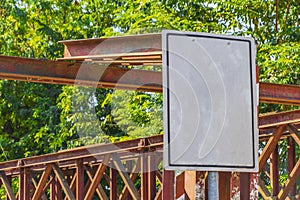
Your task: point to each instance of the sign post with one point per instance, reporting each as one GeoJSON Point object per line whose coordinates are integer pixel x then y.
{"type": "Point", "coordinates": [213, 186]}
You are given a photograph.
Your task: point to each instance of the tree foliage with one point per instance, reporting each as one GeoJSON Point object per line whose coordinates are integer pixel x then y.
{"type": "Point", "coordinates": [39, 118]}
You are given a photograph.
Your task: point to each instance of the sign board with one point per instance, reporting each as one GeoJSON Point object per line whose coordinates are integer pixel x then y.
{"type": "Point", "coordinates": [210, 102]}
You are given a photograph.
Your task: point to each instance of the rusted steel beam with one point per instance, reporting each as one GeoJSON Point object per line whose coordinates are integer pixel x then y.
{"type": "Point", "coordinates": [144, 177]}
{"type": "Point", "coordinates": [148, 176]}
{"type": "Point", "coordinates": [265, 135]}
{"type": "Point", "coordinates": [168, 185]}
{"type": "Point", "coordinates": [55, 190]}
{"type": "Point", "coordinates": [112, 45]}
{"type": "Point", "coordinates": [73, 183]}
{"type": "Point", "coordinates": [245, 185]}
{"type": "Point", "coordinates": [7, 185]}
{"type": "Point", "coordinates": [97, 177]}
{"type": "Point", "coordinates": [294, 133]}
{"type": "Point", "coordinates": [152, 166]}
{"type": "Point", "coordinates": [159, 176]}
{"type": "Point", "coordinates": [9, 165]}
{"type": "Point", "coordinates": [190, 181]}
{"type": "Point", "coordinates": [131, 167]}
{"type": "Point", "coordinates": [86, 74]}
{"type": "Point", "coordinates": [21, 185]}
{"type": "Point", "coordinates": [133, 176]}
{"type": "Point", "coordinates": [116, 47]}
{"type": "Point", "coordinates": [293, 176]}
{"type": "Point", "coordinates": [125, 59]}
{"type": "Point", "coordinates": [271, 120]}
{"type": "Point", "coordinates": [291, 161]}
{"type": "Point", "coordinates": [90, 173]}
{"type": "Point", "coordinates": [224, 185]}
{"type": "Point", "coordinates": [279, 93]}
{"type": "Point", "coordinates": [35, 184]}
{"type": "Point", "coordinates": [97, 151]}
{"type": "Point", "coordinates": [47, 186]}
{"type": "Point", "coordinates": [126, 179]}
{"type": "Point", "coordinates": [263, 189]}
{"type": "Point", "coordinates": [95, 75]}
{"type": "Point", "coordinates": [254, 177]}
{"type": "Point", "coordinates": [42, 183]}
{"type": "Point", "coordinates": [270, 146]}
{"type": "Point", "coordinates": [63, 182]}
{"type": "Point", "coordinates": [79, 180]}
{"type": "Point", "coordinates": [100, 191]}
{"type": "Point", "coordinates": [274, 172]}
{"type": "Point", "coordinates": [159, 194]}
{"type": "Point", "coordinates": [93, 159]}
{"type": "Point", "coordinates": [113, 189]}
{"type": "Point", "coordinates": [180, 179]}
{"type": "Point", "coordinates": [27, 183]}
{"type": "Point", "coordinates": [58, 189]}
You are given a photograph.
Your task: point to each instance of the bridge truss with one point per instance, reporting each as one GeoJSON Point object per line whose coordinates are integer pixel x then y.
{"type": "Point", "coordinates": [132, 169]}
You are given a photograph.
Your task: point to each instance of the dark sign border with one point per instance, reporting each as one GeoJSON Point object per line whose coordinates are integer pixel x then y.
{"type": "Point", "coordinates": [168, 103]}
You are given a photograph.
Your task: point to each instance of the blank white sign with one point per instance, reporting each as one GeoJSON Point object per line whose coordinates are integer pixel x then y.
{"type": "Point", "coordinates": [210, 102]}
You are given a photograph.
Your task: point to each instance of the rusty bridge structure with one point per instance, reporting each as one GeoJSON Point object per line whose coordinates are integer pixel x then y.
{"type": "Point", "coordinates": [132, 169]}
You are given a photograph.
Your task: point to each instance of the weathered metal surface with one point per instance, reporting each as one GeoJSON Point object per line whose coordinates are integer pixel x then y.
{"type": "Point", "coordinates": [135, 145]}
{"type": "Point", "coordinates": [118, 46]}
{"type": "Point", "coordinates": [290, 182]}
{"type": "Point", "coordinates": [27, 183]}
{"type": "Point", "coordinates": [112, 45]}
{"type": "Point", "coordinates": [21, 185]}
{"type": "Point", "coordinates": [69, 180]}
{"type": "Point", "coordinates": [279, 93]}
{"type": "Point", "coordinates": [146, 50]}
{"type": "Point", "coordinates": [98, 176]}
{"type": "Point", "coordinates": [7, 185]}
{"type": "Point", "coordinates": [125, 177]}
{"type": "Point", "coordinates": [63, 182]}
{"type": "Point", "coordinates": [270, 146]}
{"type": "Point", "coordinates": [294, 132]}
{"type": "Point", "coordinates": [271, 120]}
{"type": "Point", "coordinates": [96, 151]}
{"type": "Point", "coordinates": [99, 189]}
{"type": "Point", "coordinates": [179, 186]}
{"type": "Point", "coordinates": [291, 161]}
{"type": "Point", "coordinates": [245, 185]}
{"type": "Point", "coordinates": [274, 171]}
{"type": "Point", "coordinates": [224, 185]}
{"type": "Point", "coordinates": [79, 179]}
{"type": "Point", "coordinates": [293, 167]}
{"type": "Point", "coordinates": [190, 181]}
{"type": "Point", "coordinates": [144, 177]}
{"type": "Point", "coordinates": [264, 135]}
{"type": "Point", "coordinates": [152, 168]}
{"type": "Point", "coordinates": [254, 178]}
{"type": "Point", "coordinates": [59, 177]}
{"type": "Point", "coordinates": [58, 72]}
{"type": "Point", "coordinates": [113, 194]}
{"type": "Point", "coordinates": [42, 182]}
{"type": "Point", "coordinates": [86, 74]}
{"type": "Point", "coordinates": [168, 185]}
{"type": "Point", "coordinates": [124, 59]}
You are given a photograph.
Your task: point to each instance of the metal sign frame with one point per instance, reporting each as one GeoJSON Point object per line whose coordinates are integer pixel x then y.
{"type": "Point", "coordinates": [169, 150]}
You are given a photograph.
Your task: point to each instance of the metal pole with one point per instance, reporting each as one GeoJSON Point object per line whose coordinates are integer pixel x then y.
{"type": "Point", "coordinates": [213, 186]}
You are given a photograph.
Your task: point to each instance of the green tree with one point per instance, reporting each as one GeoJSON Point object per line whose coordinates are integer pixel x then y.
{"type": "Point", "coordinates": [54, 116]}
{"type": "Point", "coordinates": [32, 116]}
{"type": "Point", "coordinates": [39, 118]}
